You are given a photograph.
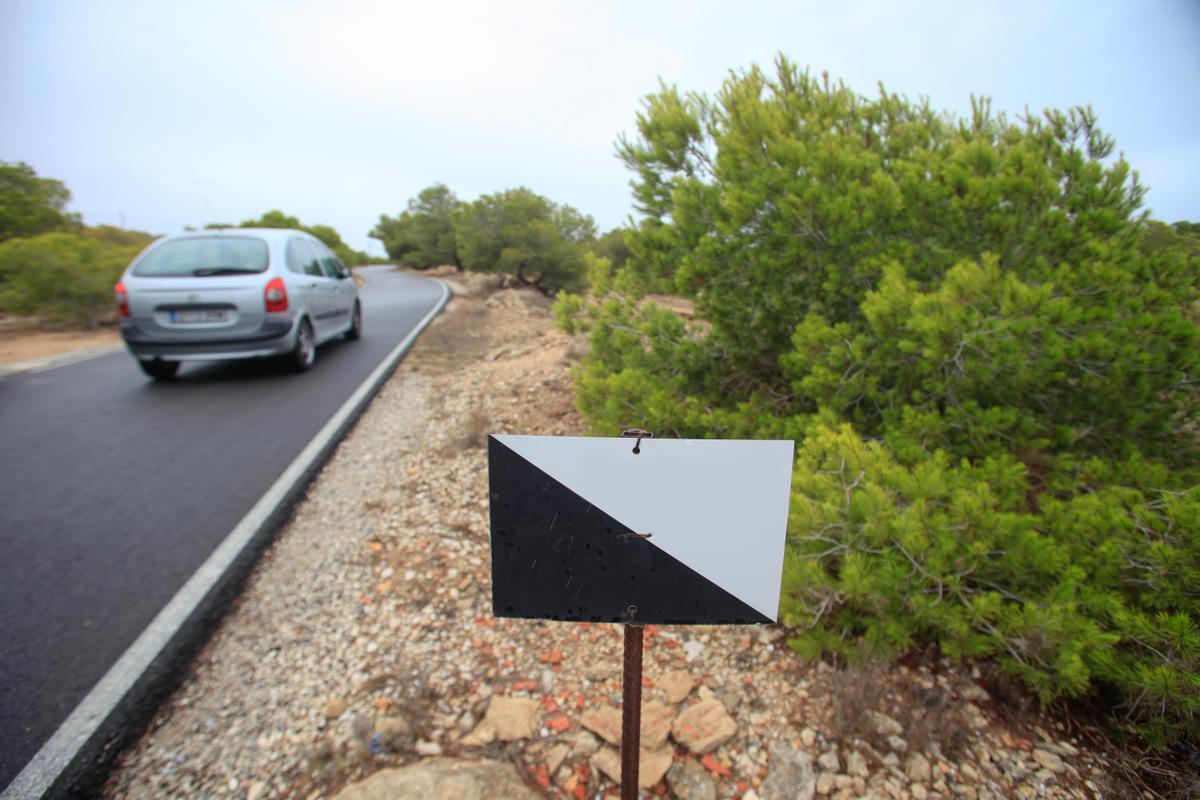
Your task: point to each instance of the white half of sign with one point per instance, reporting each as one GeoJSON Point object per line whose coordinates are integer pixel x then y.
{"type": "Point", "coordinates": [720, 506]}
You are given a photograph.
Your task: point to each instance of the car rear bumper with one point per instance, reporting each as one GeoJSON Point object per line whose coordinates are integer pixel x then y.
{"type": "Point", "coordinates": [275, 337]}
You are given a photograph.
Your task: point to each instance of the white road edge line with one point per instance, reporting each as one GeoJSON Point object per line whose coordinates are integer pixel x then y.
{"type": "Point", "coordinates": [60, 750]}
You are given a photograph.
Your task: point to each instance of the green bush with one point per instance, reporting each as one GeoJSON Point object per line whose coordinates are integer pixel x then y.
{"type": "Point", "coordinates": [988, 357]}
{"type": "Point", "coordinates": [521, 233]}
{"type": "Point", "coordinates": [422, 236]}
{"type": "Point", "coordinates": [65, 278]}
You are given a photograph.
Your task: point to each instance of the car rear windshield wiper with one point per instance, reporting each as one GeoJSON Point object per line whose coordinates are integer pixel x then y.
{"type": "Point", "coordinates": [204, 271]}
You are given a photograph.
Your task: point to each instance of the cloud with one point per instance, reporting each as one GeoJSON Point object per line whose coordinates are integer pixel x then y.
{"type": "Point", "coordinates": [567, 73]}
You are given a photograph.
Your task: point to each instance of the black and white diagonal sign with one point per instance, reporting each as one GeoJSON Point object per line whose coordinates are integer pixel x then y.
{"type": "Point", "coordinates": [570, 516]}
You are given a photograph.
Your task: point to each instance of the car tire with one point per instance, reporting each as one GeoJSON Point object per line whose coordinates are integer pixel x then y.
{"type": "Point", "coordinates": [158, 369]}
{"type": "Point", "coordinates": [304, 352]}
{"type": "Point", "coordinates": [355, 331]}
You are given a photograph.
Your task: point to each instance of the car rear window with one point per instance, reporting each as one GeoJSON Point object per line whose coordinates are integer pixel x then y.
{"type": "Point", "coordinates": [200, 256]}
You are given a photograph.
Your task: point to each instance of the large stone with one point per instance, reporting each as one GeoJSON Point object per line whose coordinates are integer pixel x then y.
{"type": "Point", "coordinates": [1049, 760]}
{"type": "Point", "coordinates": [652, 765]}
{"type": "Point", "coordinates": [790, 775]}
{"type": "Point", "coordinates": [917, 768]}
{"type": "Point", "coordinates": [605, 722]}
{"type": "Point", "coordinates": [974, 718]}
{"type": "Point", "coordinates": [690, 781]}
{"type": "Point", "coordinates": [703, 727]}
{"type": "Point", "coordinates": [885, 725]}
{"type": "Point", "coordinates": [676, 684]}
{"type": "Point", "coordinates": [656, 724]}
{"type": "Point", "coordinates": [443, 779]}
{"type": "Point", "coordinates": [829, 761]}
{"type": "Point", "coordinates": [507, 720]}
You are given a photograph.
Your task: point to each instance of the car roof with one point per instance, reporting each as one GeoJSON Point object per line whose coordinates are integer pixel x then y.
{"type": "Point", "coordinates": [269, 234]}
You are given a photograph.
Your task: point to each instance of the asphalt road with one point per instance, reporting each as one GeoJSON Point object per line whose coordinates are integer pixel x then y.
{"type": "Point", "coordinates": [114, 489]}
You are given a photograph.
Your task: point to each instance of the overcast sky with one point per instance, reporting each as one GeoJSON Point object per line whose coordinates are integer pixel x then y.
{"type": "Point", "coordinates": [168, 114]}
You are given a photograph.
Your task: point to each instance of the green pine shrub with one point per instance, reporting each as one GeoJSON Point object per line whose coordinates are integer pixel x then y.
{"type": "Point", "coordinates": [987, 355]}
{"type": "Point", "coordinates": [64, 278]}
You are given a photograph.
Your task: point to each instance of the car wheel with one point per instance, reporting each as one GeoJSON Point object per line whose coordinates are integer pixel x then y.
{"type": "Point", "coordinates": [355, 332]}
{"type": "Point", "coordinates": [158, 369]}
{"type": "Point", "coordinates": [305, 352]}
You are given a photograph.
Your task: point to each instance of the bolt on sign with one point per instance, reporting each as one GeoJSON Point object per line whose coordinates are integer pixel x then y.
{"type": "Point", "coordinates": [667, 531]}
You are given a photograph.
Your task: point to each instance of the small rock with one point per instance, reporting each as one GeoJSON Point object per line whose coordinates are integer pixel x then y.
{"type": "Point", "coordinates": [598, 671]}
{"type": "Point", "coordinates": [973, 693]}
{"type": "Point", "coordinates": [1046, 778]}
{"type": "Point", "coordinates": [829, 761]}
{"type": "Point", "coordinates": [334, 707]}
{"type": "Point", "coordinates": [704, 726]}
{"type": "Point", "coordinates": [690, 781]}
{"type": "Point", "coordinates": [897, 744]}
{"type": "Point", "coordinates": [425, 748]}
{"type": "Point", "coordinates": [885, 725]}
{"type": "Point", "coordinates": [443, 777]}
{"type": "Point", "coordinates": [692, 650]}
{"type": "Point", "coordinates": [582, 743]}
{"type": "Point", "coordinates": [918, 791]}
{"type": "Point", "coordinates": [394, 732]}
{"type": "Point", "coordinates": [556, 756]}
{"type": "Point", "coordinates": [507, 720]}
{"type": "Point", "coordinates": [808, 737]}
{"type": "Point", "coordinates": [676, 684]}
{"type": "Point", "coordinates": [605, 721]}
{"type": "Point", "coordinates": [824, 783]}
{"type": "Point", "coordinates": [1048, 760]}
{"type": "Point", "coordinates": [256, 791]}
{"type": "Point", "coordinates": [917, 768]}
{"type": "Point", "coordinates": [652, 766]}
{"type": "Point", "coordinates": [857, 765]}
{"type": "Point", "coordinates": [973, 716]}
{"type": "Point", "coordinates": [321, 752]}
{"type": "Point", "coordinates": [791, 775]}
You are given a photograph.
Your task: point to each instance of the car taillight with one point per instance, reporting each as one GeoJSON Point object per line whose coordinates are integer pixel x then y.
{"type": "Point", "coordinates": [275, 295]}
{"type": "Point", "coordinates": [122, 297]}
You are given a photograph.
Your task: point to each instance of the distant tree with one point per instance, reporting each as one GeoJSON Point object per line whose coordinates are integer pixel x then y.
{"type": "Point", "coordinates": [423, 235]}
{"type": "Point", "coordinates": [527, 236]}
{"type": "Point", "coordinates": [613, 247]}
{"type": "Point", "coordinates": [332, 239]}
{"type": "Point", "coordinates": [273, 219]}
{"type": "Point", "coordinates": [30, 205]}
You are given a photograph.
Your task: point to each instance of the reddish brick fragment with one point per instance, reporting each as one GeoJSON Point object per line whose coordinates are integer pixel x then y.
{"type": "Point", "coordinates": [714, 766]}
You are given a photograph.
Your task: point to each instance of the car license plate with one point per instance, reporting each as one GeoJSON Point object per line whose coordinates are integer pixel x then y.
{"type": "Point", "coordinates": [193, 315]}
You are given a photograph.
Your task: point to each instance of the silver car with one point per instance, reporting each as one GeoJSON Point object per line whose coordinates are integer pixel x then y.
{"type": "Point", "coordinates": [235, 293]}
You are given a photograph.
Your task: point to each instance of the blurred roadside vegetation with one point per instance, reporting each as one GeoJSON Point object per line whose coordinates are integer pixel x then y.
{"type": "Point", "coordinates": [987, 356]}
{"type": "Point", "coordinates": [55, 268]}
{"type": "Point", "coordinates": [52, 265]}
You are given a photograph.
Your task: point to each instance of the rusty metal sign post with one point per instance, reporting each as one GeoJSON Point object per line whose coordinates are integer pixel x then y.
{"type": "Point", "coordinates": [631, 679]}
